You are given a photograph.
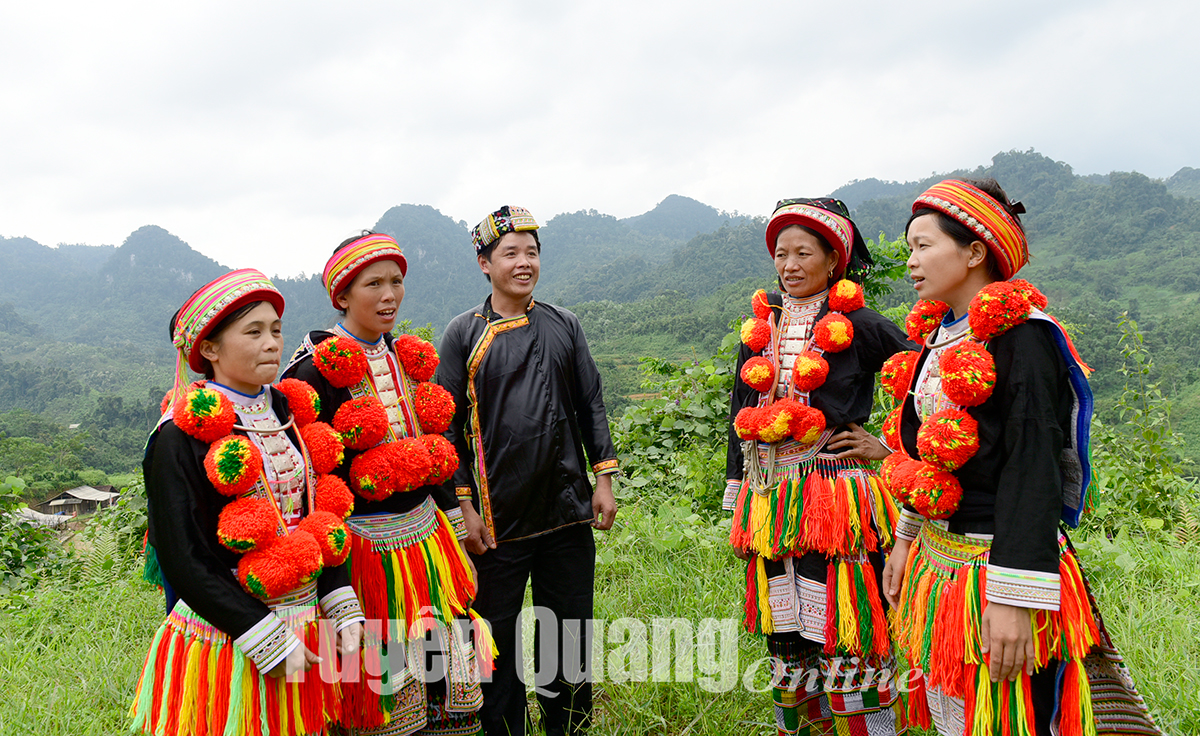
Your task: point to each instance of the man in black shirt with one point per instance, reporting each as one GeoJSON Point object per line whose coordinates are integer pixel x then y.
{"type": "Point", "coordinates": [529, 403]}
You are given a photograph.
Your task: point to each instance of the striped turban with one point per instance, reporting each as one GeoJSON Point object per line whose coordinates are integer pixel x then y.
{"type": "Point", "coordinates": [352, 258]}
{"type": "Point", "coordinates": [982, 215]}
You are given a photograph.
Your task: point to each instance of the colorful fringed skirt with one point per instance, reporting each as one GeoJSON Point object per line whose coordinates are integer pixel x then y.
{"type": "Point", "coordinates": [415, 585]}
{"type": "Point", "coordinates": [817, 527]}
{"type": "Point", "coordinates": [197, 682]}
{"type": "Point", "coordinates": [937, 628]}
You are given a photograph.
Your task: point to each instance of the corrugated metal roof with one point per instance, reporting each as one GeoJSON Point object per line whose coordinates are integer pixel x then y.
{"type": "Point", "coordinates": [87, 493]}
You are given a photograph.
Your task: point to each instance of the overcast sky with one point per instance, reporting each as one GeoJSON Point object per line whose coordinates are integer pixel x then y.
{"type": "Point", "coordinates": [264, 132]}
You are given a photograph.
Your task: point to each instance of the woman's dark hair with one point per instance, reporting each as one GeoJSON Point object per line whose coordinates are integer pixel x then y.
{"type": "Point", "coordinates": [217, 329]}
{"type": "Point", "coordinates": [963, 235]}
{"type": "Point", "coordinates": [487, 252]}
{"type": "Point", "coordinates": [825, 246]}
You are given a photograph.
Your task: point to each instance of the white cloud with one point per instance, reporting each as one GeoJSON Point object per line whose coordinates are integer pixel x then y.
{"type": "Point", "coordinates": [262, 133]}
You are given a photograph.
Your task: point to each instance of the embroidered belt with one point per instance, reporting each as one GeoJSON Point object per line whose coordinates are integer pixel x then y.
{"type": "Point", "coordinates": [388, 532]}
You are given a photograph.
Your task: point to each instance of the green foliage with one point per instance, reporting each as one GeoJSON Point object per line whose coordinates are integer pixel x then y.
{"type": "Point", "coordinates": [406, 327]}
{"type": "Point", "coordinates": [120, 529]}
{"type": "Point", "coordinates": [1138, 471]}
{"type": "Point", "coordinates": [26, 549]}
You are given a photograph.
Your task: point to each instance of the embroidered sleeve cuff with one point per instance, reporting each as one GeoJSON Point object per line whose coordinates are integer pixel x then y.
{"type": "Point", "coordinates": [464, 493]}
{"type": "Point", "coordinates": [1024, 588]}
{"type": "Point", "coordinates": [342, 608]}
{"type": "Point", "coordinates": [267, 643]}
{"type": "Point", "coordinates": [732, 486]}
{"type": "Point", "coordinates": [457, 523]}
{"type": "Point", "coordinates": [908, 526]}
{"type": "Point", "coordinates": [606, 467]}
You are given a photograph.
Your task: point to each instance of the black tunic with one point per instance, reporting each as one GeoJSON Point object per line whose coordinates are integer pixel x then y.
{"type": "Point", "coordinates": [183, 508]}
{"type": "Point", "coordinates": [540, 406]}
{"type": "Point", "coordinates": [849, 390]}
{"type": "Point", "coordinates": [1012, 487]}
{"type": "Point", "coordinates": [332, 399]}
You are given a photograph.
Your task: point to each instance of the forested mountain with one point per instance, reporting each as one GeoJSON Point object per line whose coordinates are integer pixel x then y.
{"type": "Point", "coordinates": [665, 283]}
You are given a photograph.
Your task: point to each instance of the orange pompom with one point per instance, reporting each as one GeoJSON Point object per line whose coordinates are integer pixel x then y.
{"type": "Point", "coordinates": [248, 524]}
{"type": "Point", "coordinates": [935, 494]}
{"type": "Point", "coordinates": [748, 423]}
{"type": "Point", "coordinates": [333, 495]}
{"type": "Point", "coordinates": [280, 567]}
{"type": "Point", "coordinates": [205, 414]}
{"type": "Point", "coordinates": [373, 473]}
{"type": "Point", "coordinates": [968, 373]}
{"type": "Point", "coordinates": [996, 309]}
{"type": "Point", "coordinates": [924, 318]}
{"type": "Point", "coordinates": [1036, 297]}
{"type": "Point", "coordinates": [891, 428]}
{"type": "Point", "coordinates": [443, 457]}
{"type": "Point", "coordinates": [776, 420]}
{"type": "Point", "coordinates": [760, 305]}
{"type": "Point", "coordinates": [362, 422]}
{"type": "Point", "coordinates": [758, 374]}
{"type": "Point", "coordinates": [434, 406]}
{"type": "Point", "coordinates": [809, 426]}
{"type": "Point", "coordinates": [166, 399]}
{"type": "Point", "coordinates": [233, 464]}
{"type": "Point", "coordinates": [897, 373]}
{"type": "Point", "coordinates": [332, 537]}
{"type": "Point", "coordinates": [302, 399]}
{"type": "Point", "coordinates": [412, 463]}
{"type": "Point", "coordinates": [809, 371]}
{"type": "Point", "coordinates": [756, 333]}
{"type": "Point", "coordinates": [418, 357]}
{"type": "Point", "coordinates": [341, 360]}
{"type": "Point", "coordinates": [833, 333]}
{"type": "Point", "coordinates": [898, 472]}
{"type": "Point", "coordinates": [324, 445]}
{"type": "Point", "coordinates": [846, 296]}
{"type": "Point", "coordinates": [948, 438]}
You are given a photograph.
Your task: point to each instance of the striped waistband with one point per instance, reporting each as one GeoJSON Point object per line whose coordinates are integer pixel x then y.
{"type": "Point", "coordinates": [946, 551]}
{"type": "Point", "coordinates": [395, 531]}
{"type": "Point", "coordinates": [297, 608]}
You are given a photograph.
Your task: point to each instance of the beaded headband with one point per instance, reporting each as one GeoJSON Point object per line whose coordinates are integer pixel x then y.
{"type": "Point", "coordinates": [503, 221]}
{"type": "Point", "coordinates": [837, 230]}
{"type": "Point", "coordinates": [205, 309]}
{"type": "Point", "coordinates": [346, 263]}
{"type": "Point", "coordinates": [982, 215]}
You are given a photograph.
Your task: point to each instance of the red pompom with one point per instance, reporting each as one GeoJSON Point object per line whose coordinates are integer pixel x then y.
{"type": "Point", "coordinates": [891, 428]}
{"type": "Point", "coordinates": [924, 318]}
{"type": "Point", "coordinates": [846, 296]}
{"type": "Point", "coordinates": [809, 371]}
{"type": "Point", "coordinates": [748, 423]}
{"type": "Point", "coordinates": [419, 358]}
{"type": "Point", "coordinates": [341, 360]}
{"type": "Point", "coordinates": [333, 495]}
{"type": "Point", "coordinates": [897, 373]}
{"type": "Point", "coordinates": [248, 524]}
{"type": "Point", "coordinates": [778, 420]}
{"type": "Point", "coordinates": [331, 534]}
{"type": "Point", "coordinates": [1036, 298]}
{"type": "Point", "coordinates": [901, 475]}
{"type": "Point", "coordinates": [888, 467]}
{"type": "Point", "coordinates": [758, 374]}
{"type": "Point", "coordinates": [362, 422]}
{"type": "Point", "coordinates": [948, 438]}
{"type": "Point", "coordinates": [166, 399]}
{"type": "Point", "coordinates": [373, 473]}
{"type": "Point", "coordinates": [412, 463]}
{"type": "Point", "coordinates": [756, 333]}
{"type": "Point", "coordinates": [324, 445]}
{"type": "Point", "coordinates": [996, 309]}
{"type": "Point", "coordinates": [935, 494]}
{"type": "Point", "coordinates": [233, 464]}
{"type": "Point", "coordinates": [760, 305]}
{"type": "Point", "coordinates": [968, 373]}
{"type": "Point", "coordinates": [434, 406]}
{"type": "Point", "coordinates": [205, 414]}
{"type": "Point", "coordinates": [280, 567]}
{"type": "Point", "coordinates": [809, 425]}
{"type": "Point", "coordinates": [443, 457]}
{"type": "Point", "coordinates": [833, 333]}
{"type": "Point", "coordinates": [302, 399]}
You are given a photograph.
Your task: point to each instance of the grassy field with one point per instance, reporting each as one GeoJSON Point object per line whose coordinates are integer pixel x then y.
{"type": "Point", "coordinates": [69, 661]}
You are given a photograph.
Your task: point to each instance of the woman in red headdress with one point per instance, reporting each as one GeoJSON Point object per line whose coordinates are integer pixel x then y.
{"type": "Point", "coordinates": [241, 533]}
{"type": "Point", "coordinates": [809, 513]}
{"type": "Point", "coordinates": [992, 611]}
{"type": "Point", "coordinates": [407, 564]}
